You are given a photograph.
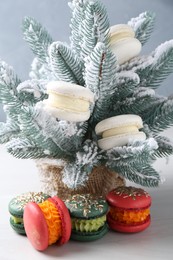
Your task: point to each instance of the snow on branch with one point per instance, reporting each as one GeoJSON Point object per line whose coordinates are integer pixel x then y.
{"type": "Point", "coordinates": [76, 173]}
{"type": "Point", "coordinates": [37, 37]}
{"type": "Point", "coordinates": [32, 91]}
{"type": "Point", "coordinates": [143, 26]}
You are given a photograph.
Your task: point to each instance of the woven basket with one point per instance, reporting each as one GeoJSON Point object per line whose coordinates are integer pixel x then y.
{"type": "Point", "coordinates": [100, 182]}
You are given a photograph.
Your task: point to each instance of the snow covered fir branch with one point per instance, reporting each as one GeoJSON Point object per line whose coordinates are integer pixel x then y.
{"type": "Point", "coordinates": [120, 87]}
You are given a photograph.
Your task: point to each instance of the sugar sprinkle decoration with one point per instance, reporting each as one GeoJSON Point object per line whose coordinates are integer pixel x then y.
{"type": "Point", "coordinates": [130, 191]}
{"type": "Point", "coordinates": [25, 198]}
{"type": "Point", "coordinates": [86, 202]}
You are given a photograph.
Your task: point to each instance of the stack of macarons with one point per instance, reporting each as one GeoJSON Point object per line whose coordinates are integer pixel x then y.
{"type": "Point", "coordinates": [129, 209]}
{"type": "Point", "coordinates": [82, 217]}
{"type": "Point", "coordinates": [16, 208]}
{"type": "Point", "coordinates": [67, 101]}
{"type": "Point", "coordinates": [88, 217]}
{"type": "Point", "coordinates": [123, 43]}
{"type": "Point", "coordinates": [119, 130]}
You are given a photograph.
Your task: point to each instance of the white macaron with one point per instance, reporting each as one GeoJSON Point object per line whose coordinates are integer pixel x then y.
{"type": "Point", "coordinates": [119, 130]}
{"type": "Point", "coordinates": [67, 101]}
{"type": "Point", "coordinates": [123, 43]}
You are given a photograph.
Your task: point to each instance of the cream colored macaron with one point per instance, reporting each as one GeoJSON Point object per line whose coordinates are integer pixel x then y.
{"type": "Point", "coordinates": [123, 43]}
{"type": "Point", "coordinates": [119, 130]}
{"type": "Point", "coordinates": [67, 101]}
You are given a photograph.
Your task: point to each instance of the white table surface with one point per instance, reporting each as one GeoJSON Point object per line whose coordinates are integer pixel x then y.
{"type": "Point", "coordinates": [156, 242]}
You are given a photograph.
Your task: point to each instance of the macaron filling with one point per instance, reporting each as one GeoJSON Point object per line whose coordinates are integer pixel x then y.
{"type": "Point", "coordinates": [53, 221]}
{"type": "Point", "coordinates": [90, 225]}
{"type": "Point", "coordinates": [130, 216]}
{"type": "Point", "coordinates": [17, 220]}
{"type": "Point", "coordinates": [67, 102]}
{"type": "Point", "coordinates": [119, 131]}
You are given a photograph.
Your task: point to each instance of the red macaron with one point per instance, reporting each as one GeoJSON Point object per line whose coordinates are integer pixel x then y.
{"type": "Point", "coordinates": [129, 209]}
{"type": "Point", "coordinates": [47, 223]}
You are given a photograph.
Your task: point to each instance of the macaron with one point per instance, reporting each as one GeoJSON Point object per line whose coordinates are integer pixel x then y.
{"type": "Point", "coordinates": [119, 130]}
{"type": "Point", "coordinates": [123, 43]}
{"type": "Point", "coordinates": [88, 217]}
{"type": "Point", "coordinates": [16, 208]}
{"type": "Point", "coordinates": [47, 223]}
{"type": "Point", "coordinates": [67, 101]}
{"type": "Point", "coordinates": [129, 209]}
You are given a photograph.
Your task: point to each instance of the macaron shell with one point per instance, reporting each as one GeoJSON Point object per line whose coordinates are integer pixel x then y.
{"type": "Point", "coordinates": [120, 31]}
{"type": "Point", "coordinates": [89, 236]}
{"type": "Point", "coordinates": [65, 219]}
{"type": "Point", "coordinates": [36, 226]}
{"type": "Point", "coordinates": [128, 198]}
{"type": "Point", "coordinates": [126, 49]}
{"type": "Point", "coordinates": [14, 210]}
{"type": "Point", "coordinates": [19, 228]}
{"type": "Point", "coordinates": [119, 121]}
{"type": "Point", "coordinates": [127, 228]}
{"type": "Point", "coordinates": [17, 204]}
{"type": "Point", "coordinates": [67, 115]}
{"type": "Point", "coordinates": [70, 90]}
{"type": "Point", "coordinates": [120, 140]}
{"type": "Point", "coordinates": [84, 206]}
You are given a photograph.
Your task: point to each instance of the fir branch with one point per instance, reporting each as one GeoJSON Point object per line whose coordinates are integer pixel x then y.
{"type": "Point", "coordinates": [162, 65]}
{"type": "Point", "coordinates": [24, 148]}
{"type": "Point", "coordinates": [137, 63]}
{"type": "Point", "coordinates": [60, 139]}
{"type": "Point", "coordinates": [32, 91]}
{"type": "Point", "coordinates": [95, 27]}
{"type": "Point", "coordinates": [100, 77]}
{"type": "Point", "coordinates": [126, 82]}
{"type": "Point", "coordinates": [32, 130]}
{"type": "Point", "coordinates": [76, 173]}
{"type": "Point", "coordinates": [133, 162]}
{"type": "Point", "coordinates": [143, 26]}
{"type": "Point", "coordinates": [140, 102]}
{"type": "Point", "coordinates": [78, 13]}
{"type": "Point", "coordinates": [144, 175]}
{"type": "Point", "coordinates": [165, 147]}
{"type": "Point", "coordinates": [136, 153]}
{"type": "Point", "coordinates": [154, 68]}
{"type": "Point", "coordinates": [7, 131]}
{"type": "Point", "coordinates": [65, 64]}
{"type": "Point", "coordinates": [8, 91]}
{"type": "Point", "coordinates": [37, 37]}
{"type": "Point", "coordinates": [40, 70]}
{"type": "Point", "coordinates": [160, 116]}
{"type": "Point", "coordinates": [138, 175]}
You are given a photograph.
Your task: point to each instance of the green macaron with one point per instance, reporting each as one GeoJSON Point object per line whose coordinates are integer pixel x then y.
{"type": "Point", "coordinates": [88, 217]}
{"type": "Point", "coordinates": [16, 208]}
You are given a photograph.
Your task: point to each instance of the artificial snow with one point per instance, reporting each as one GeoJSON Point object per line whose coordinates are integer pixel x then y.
{"type": "Point", "coordinates": [161, 50]}
{"type": "Point", "coordinates": [136, 22]}
{"type": "Point", "coordinates": [36, 87]}
{"type": "Point", "coordinates": [7, 76]}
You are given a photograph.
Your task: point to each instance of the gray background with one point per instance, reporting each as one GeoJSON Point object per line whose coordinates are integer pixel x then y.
{"type": "Point", "coordinates": [55, 16]}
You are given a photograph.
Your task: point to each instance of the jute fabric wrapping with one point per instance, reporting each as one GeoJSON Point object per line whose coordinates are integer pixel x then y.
{"type": "Point", "coordinates": [101, 180]}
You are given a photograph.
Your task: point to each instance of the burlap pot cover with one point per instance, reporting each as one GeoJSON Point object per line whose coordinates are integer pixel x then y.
{"type": "Point", "coordinates": [100, 181]}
